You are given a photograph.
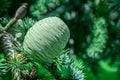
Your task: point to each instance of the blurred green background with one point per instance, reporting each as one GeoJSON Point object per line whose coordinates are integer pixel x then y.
{"type": "Point", "coordinates": [94, 26]}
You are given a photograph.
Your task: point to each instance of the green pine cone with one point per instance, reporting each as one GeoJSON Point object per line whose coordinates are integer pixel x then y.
{"type": "Point", "coordinates": [46, 39]}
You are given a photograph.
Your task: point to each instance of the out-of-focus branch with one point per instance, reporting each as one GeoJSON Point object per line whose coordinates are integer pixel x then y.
{"type": "Point", "coordinates": [57, 12]}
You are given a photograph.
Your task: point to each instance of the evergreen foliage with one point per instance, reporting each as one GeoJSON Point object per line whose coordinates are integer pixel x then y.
{"type": "Point", "coordinates": [94, 40]}
{"type": "Point", "coordinates": [99, 38]}
{"type": "Point", "coordinates": [68, 68]}
{"type": "Point", "coordinates": [45, 6]}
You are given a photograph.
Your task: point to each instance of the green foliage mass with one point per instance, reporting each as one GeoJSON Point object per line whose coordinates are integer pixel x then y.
{"type": "Point", "coordinates": [99, 38]}
{"type": "Point", "coordinates": [95, 39]}
{"type": "Point", "coordinates": [69, 68]}
{"type": "Point", "coordinates": [44, 6]}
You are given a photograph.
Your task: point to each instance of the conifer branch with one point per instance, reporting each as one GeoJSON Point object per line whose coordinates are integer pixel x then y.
{"type": "Point", "coordinates": [20, 13]}
{"type": "Point", "coordinates": [98, 42]}
{"type": "Point", "coordinates": [66, 69]}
